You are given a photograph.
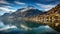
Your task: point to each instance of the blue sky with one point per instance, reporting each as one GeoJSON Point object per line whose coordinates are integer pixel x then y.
{"type": "Point", "coordinates": [7, 6]}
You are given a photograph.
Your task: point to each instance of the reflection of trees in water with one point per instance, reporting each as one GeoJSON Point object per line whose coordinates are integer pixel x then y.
{"type": "Point", "coordinates": [55, 24]}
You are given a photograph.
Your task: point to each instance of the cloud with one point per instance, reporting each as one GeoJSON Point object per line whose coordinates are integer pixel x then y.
{"type": "Point", "coordinates": [8, 6]}
{"type": "Point", "coordinates": [17, 2]}
{"type": "Point", "coordinates": [6, 9]}
{"type": "Point", "coordinates": [46, 7]}
{"type": "Point", "coordinates": [4, 2]}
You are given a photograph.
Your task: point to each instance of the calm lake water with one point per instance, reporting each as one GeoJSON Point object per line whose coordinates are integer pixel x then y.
{"type": "Point", "coordinates": [25, 27]}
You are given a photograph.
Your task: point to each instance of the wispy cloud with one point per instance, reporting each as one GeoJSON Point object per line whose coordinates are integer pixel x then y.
{"type": "Point", "coordinates": [8, 6]}
{"type": "Point", "coordinates": [46, 7]}
{"type": "Point", "coordinates": [17, 2]}
{"type": "Point", "coordinates": [4, 2]}
{"type": "Point", "coordinates": [6, 9]}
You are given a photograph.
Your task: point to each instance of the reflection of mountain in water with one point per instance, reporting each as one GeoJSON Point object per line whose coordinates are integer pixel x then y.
{"type": "Point", "coordinates": [42, 29]}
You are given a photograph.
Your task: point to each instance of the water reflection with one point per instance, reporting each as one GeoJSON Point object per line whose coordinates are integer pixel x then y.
{"type": "Point", "coordinates": [55, 24]}
{"type": "Point", "coordinates": [25, 27]}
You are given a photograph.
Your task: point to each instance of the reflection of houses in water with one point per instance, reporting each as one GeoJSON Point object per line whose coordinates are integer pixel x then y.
{"type": "Point", "coordinates": [52, 17]}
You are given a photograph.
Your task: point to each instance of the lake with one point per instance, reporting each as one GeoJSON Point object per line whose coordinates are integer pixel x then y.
{"type": "Point", "coordinates": [25, 27]}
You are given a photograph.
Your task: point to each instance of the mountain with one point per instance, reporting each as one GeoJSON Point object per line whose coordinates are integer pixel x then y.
{"type": "Point", "coordinates": [54, 9]}
{"type": "Point", "coordinates": [31, 12]}
{"type": "Point", "coordinates": [27, 11]}
{"type": "Point", "coordinates": [6, 14]}
{"type": "Point", "coordinates": [21, 13]}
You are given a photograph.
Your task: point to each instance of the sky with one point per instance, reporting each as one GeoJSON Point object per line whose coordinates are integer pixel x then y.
{"type": "Point", "coordinates": [7, 6]}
